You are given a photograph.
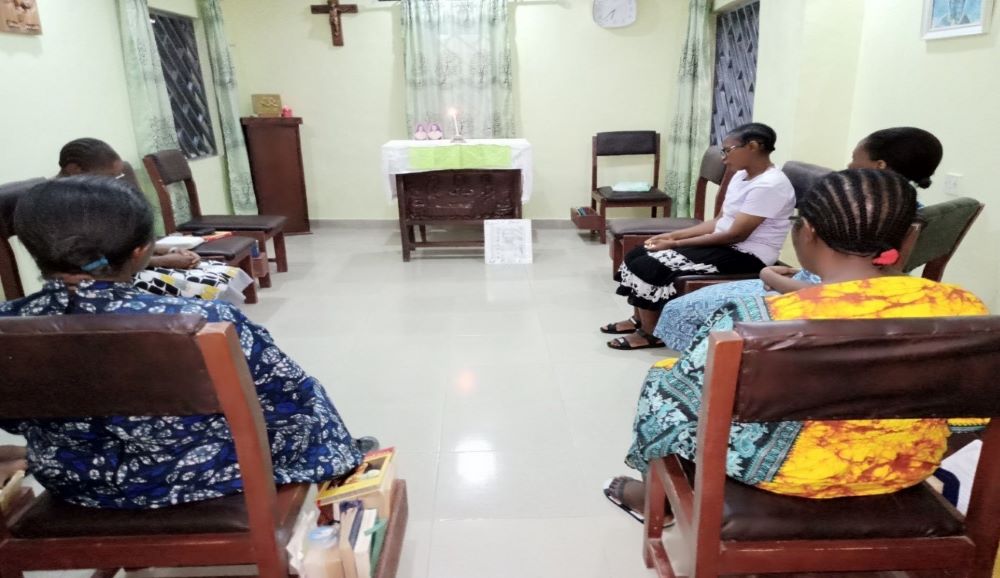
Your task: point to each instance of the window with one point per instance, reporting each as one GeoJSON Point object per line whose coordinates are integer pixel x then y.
{"type": "Point", "coordinates": [178, 50]}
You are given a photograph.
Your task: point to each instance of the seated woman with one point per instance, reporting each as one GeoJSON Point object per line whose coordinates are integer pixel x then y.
{"type": "Point", "coordinates": [89, 236]}
{"type": "Point", "coordinates": [745, 239]}
{"type": "Point", "coordinates": [848, 220]}
{"type": "Point", "coordinates": [177, 273]}
{"type": "Point", "coordinates": [911, 152]}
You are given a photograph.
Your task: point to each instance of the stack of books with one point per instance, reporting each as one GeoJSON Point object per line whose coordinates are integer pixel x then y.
{"type": "Point", "coordinates": [359, 506]}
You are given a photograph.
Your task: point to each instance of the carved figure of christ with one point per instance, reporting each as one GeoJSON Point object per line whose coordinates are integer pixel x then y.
{"type": "Point", "coordinates": [334, 8]}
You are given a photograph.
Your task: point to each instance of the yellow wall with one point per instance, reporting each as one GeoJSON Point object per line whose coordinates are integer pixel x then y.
{"type": "Point", "coordinates": [832, 71]}
{"type": "Point", "coordinates": [572, 79]}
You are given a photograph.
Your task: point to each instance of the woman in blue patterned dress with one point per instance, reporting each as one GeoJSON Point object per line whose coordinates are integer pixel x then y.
{"type": "Point", "coordinates": [912, 152]}
{"type": "Point", "coordinates": [89, 236]}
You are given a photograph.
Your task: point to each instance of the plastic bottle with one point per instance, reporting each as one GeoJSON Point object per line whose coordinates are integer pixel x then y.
{"type": "Point", "coordinates": [322, 556]}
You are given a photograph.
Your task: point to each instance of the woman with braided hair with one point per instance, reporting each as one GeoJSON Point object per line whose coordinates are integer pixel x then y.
{"type": "Point", "coordinates": [912, 152]}
{"type": "Point", "coordinates": [849, 224]}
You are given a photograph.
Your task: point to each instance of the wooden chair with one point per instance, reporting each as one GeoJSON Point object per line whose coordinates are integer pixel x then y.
{"type": "Point", "coordinates": [839, 369]}
{"type": "Point", "coordinates": [627, 234]}
{"type": "Point", "coordinates": [10, 277]}
{"type": "Point", "coordinates": [97, 379]}
{"type": "Point", "coordinates": [169, 167]}
{"type": "Point", "coordinates": [638, 142]}
{"type": "Point", "coordinates": [233, 251]}
{"type": "Point", "coordinates": [944, 227]}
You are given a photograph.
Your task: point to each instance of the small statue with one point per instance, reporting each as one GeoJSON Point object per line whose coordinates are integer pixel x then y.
{"type": "Point", "coordinates": [420, 134]}
{"type": "Point", "coordinates": [434, 132]}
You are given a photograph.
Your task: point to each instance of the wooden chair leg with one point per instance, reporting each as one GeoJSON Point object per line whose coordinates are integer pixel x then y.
{"type": "Point", "coordinates": [423, 233]}
{"type": "Point", "coordinates": [405, 238]}
{"type": "Point", "coordinates": [652, 212]}
{"type": "Point", "coordinates": [250, 292]}
{"type": "Point", "coordinates": [280, 256]}
{"type": "Point", "coordinates": [656, 502]}
{"type": "Point", "coordinates": [602, 233]}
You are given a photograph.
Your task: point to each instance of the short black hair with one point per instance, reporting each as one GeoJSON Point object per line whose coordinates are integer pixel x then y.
{"type": "Point", "coordinates": [755, 131]}
{"type": "Point", "coordinates": [69, 225]}
{"type": "Point", "coordinates": [87, 153]}
{"type": "Point", "coordinates": [911, 152]}
{"type": "Point", "coordinates": [861, 211]}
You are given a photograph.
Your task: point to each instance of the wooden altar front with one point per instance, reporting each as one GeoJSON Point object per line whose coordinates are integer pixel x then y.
{"type": "Point", "coordinates": [439, 183]}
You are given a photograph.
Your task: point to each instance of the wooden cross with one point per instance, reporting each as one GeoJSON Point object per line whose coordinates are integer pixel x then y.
{"type": "Point", "coordinates": [334, 8]}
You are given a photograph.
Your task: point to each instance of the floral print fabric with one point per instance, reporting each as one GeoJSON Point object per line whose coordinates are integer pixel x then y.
{"type": "Point", "coordinates": [150, 462]}
{"type": "Point", "coordinates": [812, 459]}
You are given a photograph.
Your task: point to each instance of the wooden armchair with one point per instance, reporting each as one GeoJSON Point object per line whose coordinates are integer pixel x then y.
{"type": "Point", "coordinates": [944, 227]}
{"type": "Point", "coordinates": [839, 369]}
{"type": "Point", "coordinates": [627, 234]}
{"type": "Point", "coordinates": [169, 167]}
{"type": "Point", "coordinates": [98, 378]}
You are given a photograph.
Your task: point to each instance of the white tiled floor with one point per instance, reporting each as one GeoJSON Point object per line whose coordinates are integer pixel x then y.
{"type": "Point", "coordinates": [494, 384]}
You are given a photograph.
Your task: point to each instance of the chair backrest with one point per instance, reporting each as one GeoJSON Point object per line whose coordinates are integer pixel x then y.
{"type": "Point", "coordinates": [945, 225]}
{"type": "Point", "coordinates": [627, 142]}
{"type": "Point", "coordinates": [166, 168]}
{"type": "Point", "coordinates": [803, 177]}
{"type": "Point", "coordinates": [130, 176]}
{"type": "Point", "coordinates": [10, 193]}
{"type": "Point", "coordinates": [868, 369]}
{"type": "Point", "coordinates": [129, 365]}
{"type": "Point", "coordinates": [713, 170]}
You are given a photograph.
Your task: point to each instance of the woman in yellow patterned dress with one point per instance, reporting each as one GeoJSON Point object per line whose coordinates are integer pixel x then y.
{"type": "Point", "coordinates": [850, 226]}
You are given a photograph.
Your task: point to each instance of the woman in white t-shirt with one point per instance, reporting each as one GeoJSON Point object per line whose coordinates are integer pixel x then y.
{"type": "Point", "coordinates": [744, 239]}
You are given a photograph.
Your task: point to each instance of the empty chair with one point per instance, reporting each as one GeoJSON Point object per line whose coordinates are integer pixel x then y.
{"type": "Point", "coordinates": [168, 167]}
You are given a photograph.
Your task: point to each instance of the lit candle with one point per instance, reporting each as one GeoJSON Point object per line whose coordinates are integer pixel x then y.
{"type": "Point", "coordinates": [454, 119]}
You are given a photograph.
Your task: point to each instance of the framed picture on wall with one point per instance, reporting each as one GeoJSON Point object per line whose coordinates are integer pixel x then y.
{"type": "Point", "coordinates": [948, 18]}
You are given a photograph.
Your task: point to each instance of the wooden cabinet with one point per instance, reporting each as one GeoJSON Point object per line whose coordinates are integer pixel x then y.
{"type": "Point", "coordinates": [275, 152]}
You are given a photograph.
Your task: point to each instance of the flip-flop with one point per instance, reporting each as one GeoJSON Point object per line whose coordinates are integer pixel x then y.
{"type": "Point", "coordinates": [610, 327]}
{"type": "Point", "coordinates": [614, 496]}
{"type": "Point", "coordinates": [652, 342]}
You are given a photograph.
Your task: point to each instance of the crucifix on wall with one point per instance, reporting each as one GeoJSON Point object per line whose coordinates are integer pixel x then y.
{"type": "Point", "coordinates": [334, 8]}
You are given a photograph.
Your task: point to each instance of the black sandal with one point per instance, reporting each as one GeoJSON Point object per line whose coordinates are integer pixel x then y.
{"type": "Point", "coordinates": [652, 342]}
{"type": "Point", "coordinates": [614, 490]}
{"type": "Point", "coordinates": [612, 328]}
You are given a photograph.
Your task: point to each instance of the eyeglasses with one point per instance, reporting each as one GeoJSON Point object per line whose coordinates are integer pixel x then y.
{"type": "Point", "coordinates": [727, 150]}
{"type": "Point", "coordinates": [121, 176]}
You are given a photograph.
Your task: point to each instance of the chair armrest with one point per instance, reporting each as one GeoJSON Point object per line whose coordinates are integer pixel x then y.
{"type": "Point", "coordinates": [688, 283]}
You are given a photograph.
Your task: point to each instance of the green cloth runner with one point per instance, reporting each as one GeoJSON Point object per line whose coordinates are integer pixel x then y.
{"type": "Point", "coordinates": [460, 157]}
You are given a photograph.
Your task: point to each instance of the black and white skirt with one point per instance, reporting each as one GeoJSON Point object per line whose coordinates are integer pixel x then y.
{"type": "Point", "coordinates": [648, 277]}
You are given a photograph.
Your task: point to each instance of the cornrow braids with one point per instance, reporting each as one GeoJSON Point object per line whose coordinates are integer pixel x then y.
{"type": "Point", "coordinates": [87, 153]}
{"type": "Point", "coordinates": [756, 131]}
{"type": "Point", "coordinates": [861, 211]}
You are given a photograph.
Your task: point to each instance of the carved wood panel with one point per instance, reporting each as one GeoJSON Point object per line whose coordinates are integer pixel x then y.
{"type": "Point", "coordinates": [20, 16]}
{"type": "Point", "coordinates": [462, 195]}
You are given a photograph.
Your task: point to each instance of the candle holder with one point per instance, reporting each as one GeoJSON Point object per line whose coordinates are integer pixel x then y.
{"type": "Point", "coordinates": [457, 139]}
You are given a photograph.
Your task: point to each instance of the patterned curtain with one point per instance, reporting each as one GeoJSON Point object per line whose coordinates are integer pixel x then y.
{"type": "Point", "coordinates": [241, 191]}
{"type": "Point", "coordinates": [689, 133]}
{"type": "Point", "coordinates": [736, 35]}
{"type": "Point", "coordinates": [456, 54]}
{"type": "Point", "coordinates": [152, 119]}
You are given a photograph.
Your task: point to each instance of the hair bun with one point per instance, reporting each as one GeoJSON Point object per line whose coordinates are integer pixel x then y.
{"type": "Point", "coordinates": [923, 183]}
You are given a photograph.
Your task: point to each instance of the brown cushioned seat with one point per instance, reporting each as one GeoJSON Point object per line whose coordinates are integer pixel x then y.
{"type": "Point", "coordinates": [52, 518]}
{"type": "Point", "coordinates": [234, 222]}
{"type": "Point", "coordinates": [751, 514]}
{"type": "Point", "coordinates": [648, 226]}
{"type": "Point", "coordinates": [225, 248]}
{"type": "Point", "coordinates": [652, 194]}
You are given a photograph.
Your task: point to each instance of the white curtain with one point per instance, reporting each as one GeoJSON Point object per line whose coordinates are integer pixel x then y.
{"type": "Point", "coordinates": [457, 55]}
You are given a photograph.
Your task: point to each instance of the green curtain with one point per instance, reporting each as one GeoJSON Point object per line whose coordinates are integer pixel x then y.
{"type": "Point", "coordinates": [692, 124]}
{"type": "Point", "coordinates": [241, 192]}
{"type": "Point", "coordinates": [152, 118]}
{"type": "Point", "coordinates": [456, 54]}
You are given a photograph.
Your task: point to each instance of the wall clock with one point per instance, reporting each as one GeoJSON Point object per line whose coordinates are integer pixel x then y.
{"type": "Point", "coordinates": [614, 13]}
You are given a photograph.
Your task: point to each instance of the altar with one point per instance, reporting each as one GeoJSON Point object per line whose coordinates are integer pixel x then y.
{"type": "Point", "coordinates": [445, 183]}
